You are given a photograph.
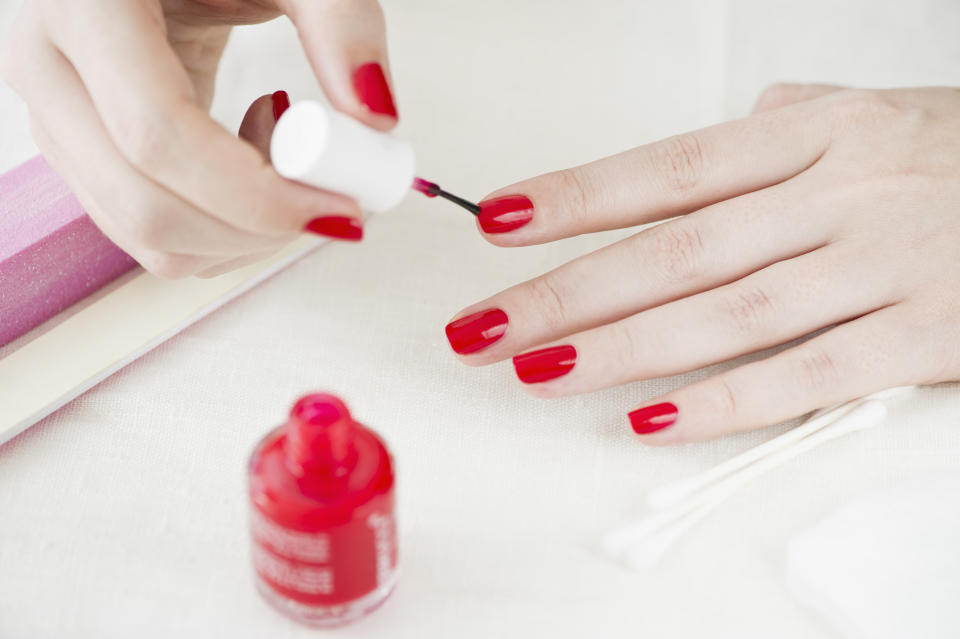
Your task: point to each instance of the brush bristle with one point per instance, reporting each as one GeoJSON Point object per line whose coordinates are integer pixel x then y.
{"type": "Point", "coordinates": [427, 188]}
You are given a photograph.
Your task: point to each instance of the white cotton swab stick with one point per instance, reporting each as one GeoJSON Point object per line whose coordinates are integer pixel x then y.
{"type": "Point", "coordinates": [668, 495]}
{"type": "Point", "coordinates": [675, 500]}
{"type": "Point", "coordinates": [645, 552]}
{"type": "Point", "coordinates": [643, 542]}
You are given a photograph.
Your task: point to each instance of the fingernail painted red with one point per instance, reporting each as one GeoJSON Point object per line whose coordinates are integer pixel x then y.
{"type": "Point", "coordinates": [650, 419]}
{"type": "Point", "coordinates": [340, 227]}
{"type": "Point", "coordinates": [503, 214]}
{"type": "Point", "coordinates": [545, 364]}
{"type": "Point", "coordinates": [281, 102]}
{"type": "Point", "coordinates": [477, 331]}
{"type": "Point", "coordinates": [371, 86]}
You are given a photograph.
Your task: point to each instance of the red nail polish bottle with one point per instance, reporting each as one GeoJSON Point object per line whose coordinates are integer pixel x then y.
{"type": "Point", "coordinates": [322, 515]}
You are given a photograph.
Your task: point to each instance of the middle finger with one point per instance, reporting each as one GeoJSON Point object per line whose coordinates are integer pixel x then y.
{"type": "Point", "coordinates": [709, 248]}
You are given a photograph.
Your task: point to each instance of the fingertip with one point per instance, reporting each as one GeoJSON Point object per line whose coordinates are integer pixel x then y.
{"type": "Point", "coordinates": [372, 88]}
{"type": "Point", "coordinates": [475, 334]}
{"type": "Point", "coordinates": [655, 423]}
{"type": "Point", "coordinates": [666, 437]}
{"type": "Point", "coordinates": [338, 227]}
{"type": "Point", "coordinates": [501, 216]}
{"type": "Point", "coordinates": [473, 360]}
{"type": "Point", "coordinates": [346, 45]}
{"type": "Point", "coordinates": [540, 391]}
{"type": "Point", "coordinates": [658, 441]}
{"type": "Point", "coordinates": [281, 102]}
{"type": "Point", "coordinates": [258, 123]}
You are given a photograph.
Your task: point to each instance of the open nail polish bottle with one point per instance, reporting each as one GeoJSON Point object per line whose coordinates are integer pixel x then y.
{"type": "Point", "coordinates": [322, 515]}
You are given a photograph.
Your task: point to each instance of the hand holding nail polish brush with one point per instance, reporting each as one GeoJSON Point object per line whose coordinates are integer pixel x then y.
{"type": "Point", "coordinates": [327, 149]}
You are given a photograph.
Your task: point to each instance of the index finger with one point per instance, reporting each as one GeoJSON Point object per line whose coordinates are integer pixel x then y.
{"type": "Point", "coordinates": [346, 43]}
{"type": "Point", "coordinates": [671, 177]}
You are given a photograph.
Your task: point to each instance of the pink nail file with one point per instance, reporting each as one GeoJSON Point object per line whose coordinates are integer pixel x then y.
{"type": "Point", "coordinates": [51, 253]}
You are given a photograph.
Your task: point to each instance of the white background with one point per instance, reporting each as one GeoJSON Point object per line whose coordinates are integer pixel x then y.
{"type": "Point", "coordinates": [125, 513]}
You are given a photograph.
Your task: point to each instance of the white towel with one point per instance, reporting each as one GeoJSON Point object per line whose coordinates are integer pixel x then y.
{"type": "Point", "coordinates": [886, 565]}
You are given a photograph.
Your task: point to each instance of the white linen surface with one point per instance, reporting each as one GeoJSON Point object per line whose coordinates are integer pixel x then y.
{"type": "Point", "coordinates": [124, 512]}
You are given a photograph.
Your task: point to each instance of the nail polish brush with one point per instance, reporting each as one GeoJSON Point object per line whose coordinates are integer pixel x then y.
{"type": "Point", "coordinates": [432, 189]}
{"type": "Point", "coordinates": [315, 144]}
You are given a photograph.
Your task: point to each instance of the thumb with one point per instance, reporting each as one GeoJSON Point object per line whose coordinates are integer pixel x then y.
{"type": "Point", "coordinates": [346, 43]}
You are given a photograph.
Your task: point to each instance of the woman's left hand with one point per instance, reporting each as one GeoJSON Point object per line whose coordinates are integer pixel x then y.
{"type": "Point", "coordinates": [826, 210]}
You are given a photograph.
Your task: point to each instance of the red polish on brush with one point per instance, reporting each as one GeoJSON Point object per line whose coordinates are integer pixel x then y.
{"type": "Point", "coordinates": [322, 515]}
{"type": "Point", "coordinates": [432, 189]}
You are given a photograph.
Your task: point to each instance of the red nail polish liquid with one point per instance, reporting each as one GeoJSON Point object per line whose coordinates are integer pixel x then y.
{"type": "Point", "coordinates": [322, 515]}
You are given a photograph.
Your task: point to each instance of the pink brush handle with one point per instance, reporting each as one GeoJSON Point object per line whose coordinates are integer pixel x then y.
{"type": "Point", "coordinates": [51, 253]}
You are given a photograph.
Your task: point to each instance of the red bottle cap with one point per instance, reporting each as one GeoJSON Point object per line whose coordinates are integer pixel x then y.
{"type": "Point", "coordinates": [319, 435]}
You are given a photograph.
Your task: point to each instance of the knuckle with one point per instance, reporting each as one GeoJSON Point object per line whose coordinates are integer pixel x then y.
{"type": "Point", "coordinates": [775, 95]}
{"type": "Point", "coordinates": [679, 250]}
{"type": "Point", "coordinates": [168, 266]}
{"type": "Point", "coordinates": [628, 347]}
{"type": "Point", "coordinates": [548, 295]}
{"type": "Point", "coordinates": [578, 192]}
{"type": "Point", "coordinates": [726, 398]}
{"type": "Point", "coordinates": [864, 106]}
{"type": "Point", "coordinates": [680, 161]}
{"type": "Point", "coordinates": [817, 369]}
{"type": "Point", "coordinates": [748, 307]}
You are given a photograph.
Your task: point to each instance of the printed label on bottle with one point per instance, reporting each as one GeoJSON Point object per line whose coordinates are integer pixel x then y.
{"type": "Point", "coordinates": [385, 543]}
{"type": "Point", "coordinates": [323, 568]}
{"type": "Point", "coordinates": [310, 580]}
{"type": "Point", "coordinates": [302, 546]}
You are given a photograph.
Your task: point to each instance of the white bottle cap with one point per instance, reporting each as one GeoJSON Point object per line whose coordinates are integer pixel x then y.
{"type": "Point", "coordinates": [327, 149]}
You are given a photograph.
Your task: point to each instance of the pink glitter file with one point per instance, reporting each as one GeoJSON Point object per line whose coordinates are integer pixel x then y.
{"type": "Point", "coordinates": [51, 253]}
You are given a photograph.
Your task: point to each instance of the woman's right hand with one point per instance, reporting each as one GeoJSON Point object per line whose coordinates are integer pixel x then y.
{"type": "Point", "coordinates": [119, 93]}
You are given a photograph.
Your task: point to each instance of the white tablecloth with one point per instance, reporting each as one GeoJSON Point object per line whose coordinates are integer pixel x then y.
{"type": "Point", "coordinates": [124, 515]}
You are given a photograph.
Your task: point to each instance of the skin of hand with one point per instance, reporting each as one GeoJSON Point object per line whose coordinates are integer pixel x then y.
{"type": "Point", "coordinates": [829, 216]}
{"type": "Point", "coordinates": [119, 93]}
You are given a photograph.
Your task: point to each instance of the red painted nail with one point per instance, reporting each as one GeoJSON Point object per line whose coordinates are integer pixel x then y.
{"type": "Point", "coordinates": [547, 363]}
{"type": "Point", "coordinates": [477, 331]}
{"type": "Point", "coordinates": [338, 226]}
{"type": "Point", "coordinates": [650, 419]}
{"type": "Point", "coordinates": [371, 86]}
{"type": "Point", "coordinates": [281, 102]}
{"type": "Point", "coordinates": [503, 214]}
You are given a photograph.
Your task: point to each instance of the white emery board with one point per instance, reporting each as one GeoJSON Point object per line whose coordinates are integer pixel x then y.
{"type": "Point", "coordinates": [100, 339]}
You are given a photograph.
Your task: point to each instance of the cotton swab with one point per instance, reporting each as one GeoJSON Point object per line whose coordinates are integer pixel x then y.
{"type": "Point", "coordinates": [642, 543]}
{"type": "Point", "coordinates": [667, 495]}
